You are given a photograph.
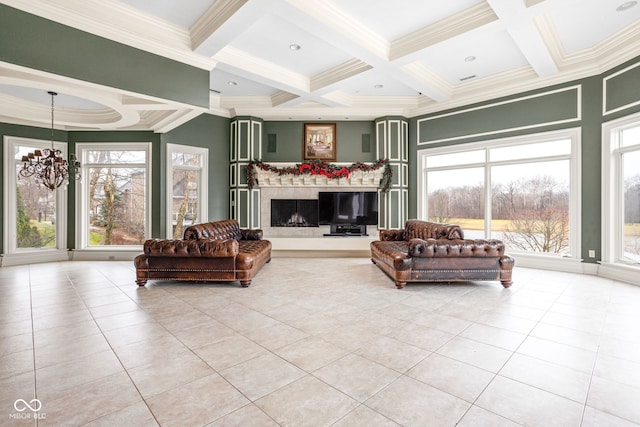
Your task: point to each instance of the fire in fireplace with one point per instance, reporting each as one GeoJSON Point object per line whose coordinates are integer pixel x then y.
{"type": "Point", "coordinates": [294, 213]}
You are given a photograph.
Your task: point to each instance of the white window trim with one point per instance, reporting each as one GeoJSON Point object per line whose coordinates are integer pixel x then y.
{"type": "Point", "coordinates": [526, 259]}
{"type": "Point", "coordinates": [613, 220]}
{"type": "Point", "coordinates": [18, 256]}
{"type": "Point", "coordinates": [203, 185]}
{"type": "Point", "coordinates": [82, 204]}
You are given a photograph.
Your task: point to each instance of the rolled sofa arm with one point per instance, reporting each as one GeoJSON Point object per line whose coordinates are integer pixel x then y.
{"type": "Point", "coordinates": [191, 248]}
{"type": "Point", "coordinates": [251, 234]}
{"type": "Point", "coordinates": [446, 248]}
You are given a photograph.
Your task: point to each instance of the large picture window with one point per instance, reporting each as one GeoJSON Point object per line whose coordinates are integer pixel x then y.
{"type": "Point", "coordinates": [186, 187]}
{"type": "Point", "coordinates": [35, 221]}
{"type": "Point", "coordinates": [114, 199]}
{"type": "Point", "coordinates": [523, 191]}
{"type": "Point", "coordinates": [621, 191]}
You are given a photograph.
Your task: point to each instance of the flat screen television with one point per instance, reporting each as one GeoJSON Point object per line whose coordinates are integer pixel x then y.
{"type": "Point", "coordinates": [348, 207]}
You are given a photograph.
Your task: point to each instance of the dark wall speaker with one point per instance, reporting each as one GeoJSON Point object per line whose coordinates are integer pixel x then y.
{"type": "Point", "coordinates": [272, 145]}
{"type": "Point", "coordinates": [366, 142]}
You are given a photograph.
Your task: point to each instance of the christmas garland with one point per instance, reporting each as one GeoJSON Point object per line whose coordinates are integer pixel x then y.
{"type": "Point", "coordinates": [319, 167]}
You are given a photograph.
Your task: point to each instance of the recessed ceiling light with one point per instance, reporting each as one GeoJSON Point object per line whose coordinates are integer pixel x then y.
{"type": "Point", "coordinates": [232, 83]}
{"type": "Point", "coordinates": [295, 46]}
{"type": "Point", "coordinates": [378, 86]}
{"type": "Point", "coordinates": [626, 6]}
{"type": "Point", "coordinates": [470, 58]}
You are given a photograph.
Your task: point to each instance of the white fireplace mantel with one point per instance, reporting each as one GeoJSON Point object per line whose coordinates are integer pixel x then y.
{"type": "Point", "coordinates": [357, 178]}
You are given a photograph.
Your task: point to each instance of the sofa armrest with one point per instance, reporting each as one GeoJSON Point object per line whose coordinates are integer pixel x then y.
{"type": "Point", "coordinates": [251, 234]}
{"type": "Point", "coordinates": [391, 235]}
{"type": "Point", "coordinates": [191, 248]}
{"type": "Point", "coordinates": [446, 248]}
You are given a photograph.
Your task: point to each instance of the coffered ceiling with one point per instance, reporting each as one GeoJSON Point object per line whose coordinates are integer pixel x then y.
{"type": "Point", "coordinates": [328, 59]}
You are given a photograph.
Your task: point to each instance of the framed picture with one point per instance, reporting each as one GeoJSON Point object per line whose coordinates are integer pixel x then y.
{"type": "Point", "coordinates": [319, 141]}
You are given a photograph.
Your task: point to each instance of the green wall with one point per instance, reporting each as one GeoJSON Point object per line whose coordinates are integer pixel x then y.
{"type": "Point", "coordinates": [289, 135]}
{"type": "Point", "coordinates": [41, 44]}
{"type": "Point", "coordinates": [210, 132]}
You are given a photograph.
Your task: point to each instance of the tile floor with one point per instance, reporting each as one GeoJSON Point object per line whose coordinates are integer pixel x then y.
{"type": "Point", "coordinates": [328, 342]}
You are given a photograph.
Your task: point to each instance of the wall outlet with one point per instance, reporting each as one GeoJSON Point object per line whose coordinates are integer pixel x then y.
{"type": "Point", "coordinates": [592, 253]}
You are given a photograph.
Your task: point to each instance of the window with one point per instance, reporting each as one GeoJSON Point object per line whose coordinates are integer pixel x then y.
{"type": "Point", "coordinates": [186, 188]}
{"type": "Point", "coordinates": [35, 217]}
{"type": "Point", "coordinates": [621, 191]}
{"type": "Point", "coordinates": [114, 197]}
{"type": "Point", "coordinates": [531, 184]}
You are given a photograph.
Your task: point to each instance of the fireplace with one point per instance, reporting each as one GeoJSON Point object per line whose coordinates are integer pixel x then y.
{"type": "Point", "coordinates": [294, 213]}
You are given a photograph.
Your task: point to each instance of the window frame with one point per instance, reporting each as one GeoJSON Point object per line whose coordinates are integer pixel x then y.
{"type": "Point", "coordinates": [572, 134]}
{"type": "Point", "coordinates": [203, 199]}
{"type": "Point", "coordinates": [12, 254]}
{"type": "Point", "coordinates": [82, 200]}
{"type": "Point", "coordinates": [613, 190]}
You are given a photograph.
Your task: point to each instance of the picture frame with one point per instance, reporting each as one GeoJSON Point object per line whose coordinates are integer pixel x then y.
{"type": "Point", "coordinates": [319, 141]}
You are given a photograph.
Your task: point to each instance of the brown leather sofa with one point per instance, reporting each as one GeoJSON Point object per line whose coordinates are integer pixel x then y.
{"type": "Point", "coordinates": [216, 251]}
{"type": "Point", "coordinates": [432, 252]}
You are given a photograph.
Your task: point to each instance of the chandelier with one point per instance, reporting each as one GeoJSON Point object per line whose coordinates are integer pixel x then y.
{"type": "Point", "coordinates": [47, 166]}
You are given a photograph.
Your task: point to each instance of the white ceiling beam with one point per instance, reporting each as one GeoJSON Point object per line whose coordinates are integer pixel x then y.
{"type": "Point", "coordinates": [522, 29]}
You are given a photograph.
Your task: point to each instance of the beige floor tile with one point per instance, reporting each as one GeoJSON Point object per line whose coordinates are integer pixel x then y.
{"type": "Point", "coordinates": [421, 336]}
{"type": "Point", "coordinates": [229, 352]}
{"type": "Point", "coordinates": [306, 402]}
{"type": "Point", "coordinates": [560, 354]}
{"type": "Point", "coordinates": [90, 401]}
{"type": "Point", "coordinates": [565, 382]}
{"type": "Point", "coordinates": [620, 370]}
{"type": "Point", "coordinates": [595, 418]}
{"type": "Point", "coordinates": [311, 353]}
{"type": "Point", "coordinates": [364, 416]}
{"type": "Point", "coordinates": [205, 334]}
{"type": "Point", "coordinates": [135, 333]}
{"type": "Point", "coordinates": [475, 353]}
{"type": "Point", "coordinates": [356, 376]}
{"type": "Point", "coordinates": [249, 415]}
{"type": "Point", "coordinates": [491, 335]}
{"type": "Point", "coordinates": [409, 402]}
{"type": "Point", "coordinates": [122, 320]}
{"type": "Point", "coordinates": [261, 375]}
{"type": "Point", "coordinates": [572, 337]}
{"type": "Point", "coordinates": [276, 335]}
{"type": "Point", "coordinates": [265, 340]}
{"type": "Point", "coordinates": [451, 376]}
{"type": "Point", "coordinates": [137, 414]}
{"type": "Point", "coordinates": [392, 353]}
{"type": "Point", "coordinates": [155, 350]}
{"type": "Point", "coordinates": [16, 363]}
{"type": "Point", "coordinates": [615, 398]}
{"type": "Point", "coordinates": [528, 405]}
{"type": "Point", "coordinates": [197, 403]}
{"type": "Point", "coordinates": [53, 354]}
{"type": "Point", "coordinates": [478, 417]}
{"type": "Point", "coordinates": [162, 374]}
{"type": "Point", "coordinates": [56, 380]}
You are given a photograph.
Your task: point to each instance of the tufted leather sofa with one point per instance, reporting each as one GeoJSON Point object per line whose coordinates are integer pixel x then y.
{"type": "Point", "coordinates": [216, 251]}
{"type": "Point", "coordinates": [432, 252]}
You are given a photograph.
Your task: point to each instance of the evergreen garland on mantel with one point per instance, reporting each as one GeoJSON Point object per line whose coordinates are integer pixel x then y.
{"type": "Point", "coordinates": [320, 167]}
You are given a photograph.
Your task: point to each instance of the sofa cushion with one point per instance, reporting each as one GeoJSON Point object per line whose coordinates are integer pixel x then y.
{"type": "Point", "coordinates": [191, 248]}
{"type": "Point", "coordinates": [416, 229]}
